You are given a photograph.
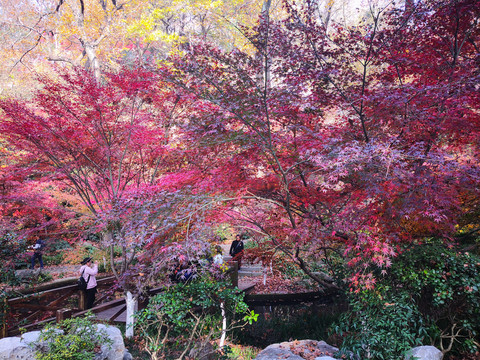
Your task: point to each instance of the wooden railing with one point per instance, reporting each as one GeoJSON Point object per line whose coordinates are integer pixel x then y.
{"type": "Point", "coordinates": [35, 307]}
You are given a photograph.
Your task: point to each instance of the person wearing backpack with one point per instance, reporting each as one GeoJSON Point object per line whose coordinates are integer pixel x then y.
{"type": "Point", "coordinates": [88, 271]}
{"type": "Point", "coordinates": [37, 253]}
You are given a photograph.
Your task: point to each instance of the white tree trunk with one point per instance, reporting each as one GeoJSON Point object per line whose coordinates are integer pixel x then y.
{"type": "Point", "coordinates": [224, 325]}
{"type": "Point", "coordinates": [131, 307]}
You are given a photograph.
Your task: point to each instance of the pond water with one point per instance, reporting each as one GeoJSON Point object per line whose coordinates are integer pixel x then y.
{"type": "Point", "coordinates": [286, 322]}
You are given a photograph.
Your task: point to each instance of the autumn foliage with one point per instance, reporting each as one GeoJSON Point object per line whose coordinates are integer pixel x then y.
{"type": "Point", "coordinates": [346, 142]}
{"type": "Point", "coordinates": [354, 141]}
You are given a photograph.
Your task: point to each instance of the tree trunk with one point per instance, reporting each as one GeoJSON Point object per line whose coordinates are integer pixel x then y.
{"type": "Point", "coordinates": [131, 302]}
{"type": "Point", "coordinates": [93, 61]}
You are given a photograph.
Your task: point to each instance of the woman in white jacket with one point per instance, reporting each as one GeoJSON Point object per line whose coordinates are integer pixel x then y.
{"type": "Point", "coordinates": [89, 270]}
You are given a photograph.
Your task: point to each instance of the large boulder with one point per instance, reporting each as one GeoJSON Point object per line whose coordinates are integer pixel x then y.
{"type": "Point", "coordinates": [424, 353]}
{"type": "Point", "coordinates": [298, 350]}
{"type": "Point", "coordinates": [17, 348]}
{"type": "Point", "coordinates": [117, 349]}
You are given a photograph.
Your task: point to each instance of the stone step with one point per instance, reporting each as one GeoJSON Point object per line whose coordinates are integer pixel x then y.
{"type": "Point", "coordinates": [248, 274]}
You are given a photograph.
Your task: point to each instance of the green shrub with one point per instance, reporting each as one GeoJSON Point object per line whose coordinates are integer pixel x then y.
{"type": "Point", "coordinates": [445, 284]}
{"type": "Point", "coordinates": [75, 339]}
{"type": "Point", "coordinates": [189, 315]}
{"type": "Point", "coordinates": [240, 352]}
{"type": "Point", "coordinates": [59, 245]}
{"type": "Point", "coordinates": [430, 295]}
{"type": "Point", "coordinates": [44, 277]}
{"type": "Point", "coordinates": [14, 254]}
{"type": "Point", "coordinates": [54, 258]}
{"type": "Point", "coordinates": [377, 327]}
{"type": "Point", "coordinates": [33, 278]}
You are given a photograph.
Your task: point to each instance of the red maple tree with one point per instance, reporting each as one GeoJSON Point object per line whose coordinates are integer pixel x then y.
{"type": "Point", "coordinates": [351, 142]}
{"type": "Point", "coordinates": [104, 139]}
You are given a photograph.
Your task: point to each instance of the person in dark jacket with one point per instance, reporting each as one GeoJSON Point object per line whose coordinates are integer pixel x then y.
{"type": "Point", "coordinates": [37, 253]}
{"type": "Point", "coordinates": [236, 250]}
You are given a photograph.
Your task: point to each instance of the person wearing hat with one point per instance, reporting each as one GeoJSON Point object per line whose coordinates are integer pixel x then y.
{"type": "Point", "coordinates": [88, 270]}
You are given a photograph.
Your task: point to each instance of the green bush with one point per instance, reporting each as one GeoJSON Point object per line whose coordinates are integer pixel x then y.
{"type": "Point", "coordinates": [54, 259]}
{"type": "Point", "coordinates": [377, 327]}
{"type": "Point", "coordinates": [75, 339]}
{"type": "Point", "coordinates": [430, 295]}
{"type": "Point", "coordinates": [189, 315]}
{"type": "Point", "coordinates": [59, 245]}
{"type": "Point", "coordinates": [240, 352]}
{"type": "Point", "coordinates": [14, 254]}
{"type": "Point", "coordinates": [445, 284]}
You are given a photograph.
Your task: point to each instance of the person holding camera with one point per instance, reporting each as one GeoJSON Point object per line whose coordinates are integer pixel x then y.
{"type": "Point", "coordinates": [89, 270]}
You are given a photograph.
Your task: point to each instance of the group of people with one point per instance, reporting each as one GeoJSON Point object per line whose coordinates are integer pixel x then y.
{"type": "Point", "coordinates": [236, 252]}
{"type": "Point", "coordinates": [184, 271]}
{"type": "Point", "coordinates": [89, 268]}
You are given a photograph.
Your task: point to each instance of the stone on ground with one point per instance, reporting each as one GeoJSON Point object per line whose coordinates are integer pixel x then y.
{"type": "Point", "coordinates": [424, 353]}
{"type": "Point", "coordinates": [17, 348]}
{"type": "Point", "coordinates": [297, 350]}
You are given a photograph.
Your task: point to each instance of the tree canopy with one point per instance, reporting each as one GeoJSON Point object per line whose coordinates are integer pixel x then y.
{"type": "Point", "coordinates": [323, 140]}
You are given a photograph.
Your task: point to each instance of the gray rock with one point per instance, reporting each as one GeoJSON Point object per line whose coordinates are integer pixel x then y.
{"type": "Point", "coordinates": [290, 350]}
{"type": "Point", "coordinates": [424, 353]}
{"type": "Point", "coordinates": [272, 353]}
{"type": "Point", "coordinates": [116, 350]}
{"type": "Point", "coordinates": [17, 348]}
{"type": "Point", "coordinates": [14, 348]}
{"type": "Point", "coordinates": [30, 337]}
{"type": "Point", "coordinates": [127, 356]}
{"type": "Point", "coordinates": [325, 358]}
{"type": "Point", "coordinates": [8, 346]}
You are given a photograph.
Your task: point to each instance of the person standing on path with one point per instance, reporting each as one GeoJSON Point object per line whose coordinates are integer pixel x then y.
{"type": "Point", "coordinates": [236, 250]}
{"type": "Point", "coordinates": [89, 270]}
{"type": "Point", "coordinates": [218, 258]}
{"type": "Point", "coordinates": [37, 253]}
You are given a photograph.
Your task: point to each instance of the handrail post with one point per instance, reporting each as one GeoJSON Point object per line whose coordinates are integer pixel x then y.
{"type": "Point", "coordinates": [4, 328]}
{"type": "Point", "coordinates": [234, 273]}
{"type": "Point", "coordinates": [63, 314]}
{"type": "Point", "coordinates": [82, 303]}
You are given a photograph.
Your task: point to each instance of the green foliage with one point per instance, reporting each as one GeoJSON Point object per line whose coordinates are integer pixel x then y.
{"type": "Point", "coordinates": [13, 252]}
{"type": "Point", "coordinates": [377, 327]}
{"type": "Point", "coordinates": [290, 270]}
{"type": "Point", "coordinates": [76, 339]}
{"type": "Point", "coordinates": [240, 352]}
{"type": "Point", "coordinates": [445, 284]}
{"type": "Point", "coordinates": [56, 252]}
{"type": "Point", "coordinates": [189, 314]}
{"type": "Point", "coordinates": [250, 245]}
{"type": "Point", "coordinates": [44, 277]}
{"type": "Point", "coordinates": [251, 317]}
{"type": "Point", "coordinates": [430, 294]}
{"type": "Point", "coordinates": [53, 259]}
{"type": "Point", "coordinates": [33, 278]}
{"type": "Point", "coordinates": [102, 268]}
{"type": "Point", "coordinates": [59, 245]}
